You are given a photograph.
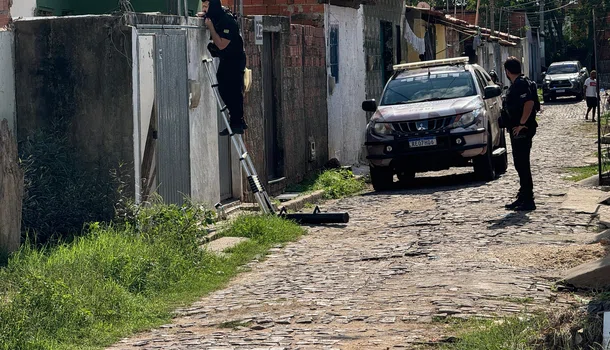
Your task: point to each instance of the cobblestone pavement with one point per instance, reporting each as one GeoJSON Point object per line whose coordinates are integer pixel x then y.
{"type": "Point", "coordinates": [406, 260]}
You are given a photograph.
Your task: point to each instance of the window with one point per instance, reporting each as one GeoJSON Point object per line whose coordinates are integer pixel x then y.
{"type": "Point", "coordinates": [334, 52]}
{"type": "Point", "coordinates": [481, 80]}
{"type": "Point", "coordinates": [429, 87]}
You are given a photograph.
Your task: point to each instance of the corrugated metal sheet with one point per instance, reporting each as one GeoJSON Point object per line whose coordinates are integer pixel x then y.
{"type": "Point", "coordinates": [173, 156]}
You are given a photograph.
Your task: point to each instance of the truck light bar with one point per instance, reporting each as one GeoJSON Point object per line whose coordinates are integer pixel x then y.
{"type": "Point", "coordinates": [434, 63]}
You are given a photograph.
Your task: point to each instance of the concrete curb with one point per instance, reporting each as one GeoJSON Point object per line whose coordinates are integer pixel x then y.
{"type": "Point", "coordinates": [299, 202]}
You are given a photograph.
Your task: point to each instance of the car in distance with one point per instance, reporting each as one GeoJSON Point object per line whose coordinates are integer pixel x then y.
{"type": "Point", "coordinates": [565, 78]}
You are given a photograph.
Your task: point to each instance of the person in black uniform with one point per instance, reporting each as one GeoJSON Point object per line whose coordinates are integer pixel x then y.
{"type": "Point", "coordinates": [227, 45]}
{"type": "Point", "coordinates": [520, 116]}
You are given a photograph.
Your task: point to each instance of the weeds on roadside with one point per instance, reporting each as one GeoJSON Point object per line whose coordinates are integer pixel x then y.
{"type": "Point", "coordinates": [121, 277]}
{"type": "Point", "coordinates": [336, 183]}
{"type": "Point", "coordinates": [581, 173]}
{"type": "Point", "coordinates": [508, 333]}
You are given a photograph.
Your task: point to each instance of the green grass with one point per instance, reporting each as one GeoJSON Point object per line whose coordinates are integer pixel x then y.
{"type": "Point", "coordinates": [581, 173]}
{"type": "Point", "coordinates": [121, 278]}
{"type": "Point", "coordinates": [508, 333]}
{"type": "Point", "coordinates": [335, 183]}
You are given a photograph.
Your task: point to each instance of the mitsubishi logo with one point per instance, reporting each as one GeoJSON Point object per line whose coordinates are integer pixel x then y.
{"type": "Point", "coordinates": [421, 126]}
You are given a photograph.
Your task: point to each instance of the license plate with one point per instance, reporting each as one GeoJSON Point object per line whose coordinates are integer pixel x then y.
{"type": "Point", "coordinates": [422, 142]}
{"type": "Point", "coordinates": [560, 91]}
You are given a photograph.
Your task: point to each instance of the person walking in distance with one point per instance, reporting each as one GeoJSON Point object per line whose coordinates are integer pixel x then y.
{"type": "Point", "coordinates": [228, 45]}
{"type": "Point", "coordinates": [521, 124]}
{"type": "Point", "coordinates": [591, 93]}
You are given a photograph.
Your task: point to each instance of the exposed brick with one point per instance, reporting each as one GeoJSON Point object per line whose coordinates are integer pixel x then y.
{"type": "Point", "coordinates": [253, 10]}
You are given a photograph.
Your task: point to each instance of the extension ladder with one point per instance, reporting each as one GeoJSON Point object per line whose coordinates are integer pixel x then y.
{"type": "Point", "coordinates": [238, 142]}
{"type": "Point", "coordinates": [317, 217]}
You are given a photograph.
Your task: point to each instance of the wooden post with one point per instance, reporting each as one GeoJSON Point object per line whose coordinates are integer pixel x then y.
{"type": "Point", "coordinates": [11, 192]}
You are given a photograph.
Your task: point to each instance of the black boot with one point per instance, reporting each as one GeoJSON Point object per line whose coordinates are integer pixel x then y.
{"type": "Point", "coordinates": [514, 204]}
{"type": "Point", "coordinates": [526, 205]}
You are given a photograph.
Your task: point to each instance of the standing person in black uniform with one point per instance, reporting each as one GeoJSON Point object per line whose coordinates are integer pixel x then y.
{"type": "Point", "coordinates": [520, 120]}
{"type": "Point", "coordinates": [227, 45]}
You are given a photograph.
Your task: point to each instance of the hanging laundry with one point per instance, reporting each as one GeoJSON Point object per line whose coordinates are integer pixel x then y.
{"type": "Point", "coordinates": [418, 43]}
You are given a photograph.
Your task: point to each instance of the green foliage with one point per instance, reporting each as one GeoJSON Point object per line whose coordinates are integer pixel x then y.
{"type": "Point", "coordinates": [122, 277]}
{"type": "Point", "coordinates": [264, 229]}
{"type": "Point", "coordinates": [60, 194]}
{"type": "Point", "coordinates": [338, 183]}
{"type": "Point", "coordinates": [581, 173]}
{"type": "Point", "coordinates": [504, 334]}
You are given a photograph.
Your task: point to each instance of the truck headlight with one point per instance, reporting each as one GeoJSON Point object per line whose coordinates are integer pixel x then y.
{"type": "Point", "coordinates": [382, 128]}
{"type": "Point", "coordinates": [466, 119]}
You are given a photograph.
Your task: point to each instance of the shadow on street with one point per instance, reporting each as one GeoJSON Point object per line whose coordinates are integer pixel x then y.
{"type": "Point", "coordinates": [518, 218]}
{"type": "Point", "coordinates": [433, 184]}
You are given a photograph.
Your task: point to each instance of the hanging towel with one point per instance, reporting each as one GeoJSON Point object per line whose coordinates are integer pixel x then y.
{"type": "Point", "coordinates": [419, 44]}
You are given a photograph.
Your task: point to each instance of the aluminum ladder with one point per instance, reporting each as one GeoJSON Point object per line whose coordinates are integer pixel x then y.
{"type": "Point", "coordinates": [238, 142]}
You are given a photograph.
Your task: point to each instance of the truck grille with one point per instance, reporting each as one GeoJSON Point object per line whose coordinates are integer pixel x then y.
{"type": "Point", "coordinates": [423, 125]}
{"type": "Point", "coordinates": [561, 84]}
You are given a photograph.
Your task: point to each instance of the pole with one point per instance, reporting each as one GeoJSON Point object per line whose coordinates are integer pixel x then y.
{"type": "Point", "coordinates": [476, 16]}
{"type": "Point", "coordinates": [186, 11]}
{"type": "Point", "coordinates": [599, 121]}
{"type": "Point", "coordinates": [500, 21]}
{"type": "Point", "coordinates": [492, 11]}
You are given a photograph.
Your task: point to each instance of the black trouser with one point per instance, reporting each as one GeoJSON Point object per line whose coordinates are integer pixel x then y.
{"type": "Point", "coordinates": [230, 78]}
{"type": "Point", "coordinates": [522, 146]}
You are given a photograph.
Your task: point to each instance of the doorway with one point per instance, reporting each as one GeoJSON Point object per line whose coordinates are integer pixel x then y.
{"type": "Point", "coordinates": [387, 50]}
{"type": "Point", "coordinates": [271, 73]}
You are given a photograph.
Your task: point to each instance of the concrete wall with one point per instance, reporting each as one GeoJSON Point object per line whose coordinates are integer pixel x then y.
{"type": "Point", "coordinates": [205, 177]}
{"type": "Point", "coordinates": [384, 10]}
{"type": "Point", "coordinates": [78, 70]}
{"type": "Point", "coordinates": [346, 119]}
{"type": "Point", "coordinates": [23, 8]}
{"type": "Point", "coordinates": [7, 78]}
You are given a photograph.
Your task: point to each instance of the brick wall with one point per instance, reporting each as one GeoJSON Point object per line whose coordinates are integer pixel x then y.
{"type": "Point", "coordinates": [305, 12]}
{"type": "Point", "coordinates": [302, 115]}
{"type": "Point", "coordinates": [5, 15]}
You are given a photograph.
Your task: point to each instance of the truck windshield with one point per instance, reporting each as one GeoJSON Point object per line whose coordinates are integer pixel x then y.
{"type": "Point", "coordinates": [433, 87]}
{"type": "Point", "coordinates": [562, 69]}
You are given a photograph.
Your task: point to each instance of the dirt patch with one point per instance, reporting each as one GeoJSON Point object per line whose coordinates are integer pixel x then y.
{"type": "Point", "coordinates": [550, 257]}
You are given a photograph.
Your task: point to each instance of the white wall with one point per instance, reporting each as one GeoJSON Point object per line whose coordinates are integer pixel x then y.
{"type": "Point", "coordinates": [23, 8]}
{"type": "Point", "coordinates": [7, 78]}
{"type": "Point", "coordinates": [205, 176]}
{"type": "Point", "coordinates": [346, 120]}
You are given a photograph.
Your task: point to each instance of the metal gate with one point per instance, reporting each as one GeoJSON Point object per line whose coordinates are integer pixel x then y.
{"type": "Point", "coordinates": [172, 146]}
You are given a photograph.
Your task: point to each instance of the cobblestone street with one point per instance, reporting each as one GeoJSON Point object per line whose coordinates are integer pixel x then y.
{"type": "Point", "coordinates": [408, 258]}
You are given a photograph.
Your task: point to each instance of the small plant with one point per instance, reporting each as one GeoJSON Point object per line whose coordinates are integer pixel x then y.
{"type": "Point", "coordinates": [338, 183]}
{"type": "Point", "coordinates": [581, 173]}
{"type": "Point", "coordinates": [507, 333]}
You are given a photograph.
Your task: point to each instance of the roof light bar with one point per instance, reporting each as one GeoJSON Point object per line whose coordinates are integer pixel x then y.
{"type": "Point", "coordinates": [434, 63]}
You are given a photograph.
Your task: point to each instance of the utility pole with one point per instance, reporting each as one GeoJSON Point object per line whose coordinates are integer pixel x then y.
{"type": "Point", "coordinates": [492, 11]}
{"type": "Point", "coordinates": [599, 120]}
{"type": "Point", "coordinates": [476, 16]}
{"type": "Point", "coordinates": [541, 33]}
